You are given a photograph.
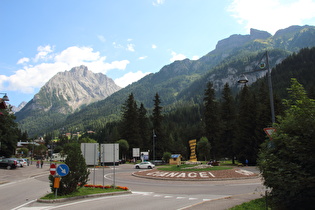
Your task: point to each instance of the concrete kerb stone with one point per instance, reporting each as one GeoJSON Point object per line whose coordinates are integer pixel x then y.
{"type": "Point", "coordinates": [82, 197]}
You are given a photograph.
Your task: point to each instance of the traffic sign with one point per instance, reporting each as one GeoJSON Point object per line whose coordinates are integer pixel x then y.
{"type": "Point", "coordinates": [269, 131]}
{"type": "Point", "coordinates": [62, 170]}
{"type": "Point", "coordinates": [52, 169]}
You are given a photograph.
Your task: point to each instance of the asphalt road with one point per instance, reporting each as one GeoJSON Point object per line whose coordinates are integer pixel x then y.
{"type": "Point", "coordinates": [146, 193]}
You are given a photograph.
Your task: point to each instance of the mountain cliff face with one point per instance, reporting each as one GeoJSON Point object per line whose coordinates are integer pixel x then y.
{"type": "Point", "coordinates": [21, 105]}
{"type": "Point", "coordinates": [67, 91]}
{"type": "Point", "coordinates": [238, 40]}
{"type": "Point", "coordinates": [62, 95]}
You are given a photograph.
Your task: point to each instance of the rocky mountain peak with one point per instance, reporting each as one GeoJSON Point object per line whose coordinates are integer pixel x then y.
{"type": "Point", "coordinates": [258, 34]}
{"type": "Point", "coordinates": [238, 40]}
{"type": "Point", "coordinates": [69, 90]}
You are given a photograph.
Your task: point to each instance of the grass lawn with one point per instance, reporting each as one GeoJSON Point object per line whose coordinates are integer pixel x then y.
{"type": "Point", "coordinates": [82, 191]}
{"type": "Point", "coordinates": [257, 204]}
{"type": "Point", "coordinates": [186, 167]}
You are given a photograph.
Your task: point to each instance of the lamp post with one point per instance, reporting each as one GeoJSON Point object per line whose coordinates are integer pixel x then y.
{"type": "Point", "coordinates": [4, 98]}
{"type": "Point", "coordinates": [263, 67]}
{"type": "Point", "coordinates": [153, 146]}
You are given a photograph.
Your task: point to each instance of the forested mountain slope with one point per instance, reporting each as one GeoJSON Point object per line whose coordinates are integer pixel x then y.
{"type": "Point", "coordinates": [185, 80]}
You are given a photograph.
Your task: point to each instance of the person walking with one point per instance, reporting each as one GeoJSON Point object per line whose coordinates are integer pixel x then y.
{"type": "Point", "coordinates": [41, 163]}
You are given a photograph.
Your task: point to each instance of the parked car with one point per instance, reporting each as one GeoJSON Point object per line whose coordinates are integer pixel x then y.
{"type": "Point", "coordinates": [8, 163]}
{"type": "Point", "coordinates": [148, 165]}
{"type": "Point", "coordinates": [21, 162]}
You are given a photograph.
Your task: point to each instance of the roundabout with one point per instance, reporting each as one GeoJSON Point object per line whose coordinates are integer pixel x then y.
{"type": "Point", "coordinates": [206, 175]}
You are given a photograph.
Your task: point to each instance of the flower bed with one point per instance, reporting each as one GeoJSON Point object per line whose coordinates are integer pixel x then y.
{"type": "Point", "coordinates": [106, 187]}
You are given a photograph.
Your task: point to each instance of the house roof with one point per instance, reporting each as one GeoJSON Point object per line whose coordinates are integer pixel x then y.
{"type": "Point", "coordinates": [21, 143]}
{"type": "Point", "coordinates": [175, 156]}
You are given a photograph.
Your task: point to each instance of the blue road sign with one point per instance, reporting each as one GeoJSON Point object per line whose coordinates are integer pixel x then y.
{"type": "Point", "coordinates": [62, 170]}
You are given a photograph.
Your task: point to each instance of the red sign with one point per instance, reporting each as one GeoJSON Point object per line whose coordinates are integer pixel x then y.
{"type": "Point", "coordinates": [269, 131]}
{"type": "Point", "coordinates": [52, 169]}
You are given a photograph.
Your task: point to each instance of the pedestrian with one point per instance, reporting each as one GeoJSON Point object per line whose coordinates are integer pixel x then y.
{"type": "Point", "coordinates": [37, 164]}
{"type": "Point", "coordinates": [246, 162]}
{"type": "Point", "coordinates": [41, 163]}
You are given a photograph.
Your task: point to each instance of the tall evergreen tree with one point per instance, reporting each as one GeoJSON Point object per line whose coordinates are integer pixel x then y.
{"type": "Point", "coordinates": [158, 133]}
{"type": "Point", "coordinates": [246, 141]}
{"type": "Point", "coordinates": [211, 116]}
{"type": "Point", "coordinates": [144, 128]}
{"type": "Point", "coordinates": [263, 116]}
{"type": "Point", "coordinates": [130, 125]}
{"type": "Point", "coordinates": [228, 117]}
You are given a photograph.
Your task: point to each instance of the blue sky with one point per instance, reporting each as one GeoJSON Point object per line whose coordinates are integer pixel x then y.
{"type": "Point", "coordinates": [124, 39]}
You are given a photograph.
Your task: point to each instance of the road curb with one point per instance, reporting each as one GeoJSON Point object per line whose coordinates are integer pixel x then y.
{"type": "Point", "coordinates": [82, 197]}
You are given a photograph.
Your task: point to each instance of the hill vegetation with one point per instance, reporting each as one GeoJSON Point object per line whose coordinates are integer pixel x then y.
{"type": "Point", "coordinates": [181, 89]}
{"type": "Point", "coordinates": [233, 124]}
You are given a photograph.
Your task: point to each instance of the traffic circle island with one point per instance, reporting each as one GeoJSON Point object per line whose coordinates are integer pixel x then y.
{"type": "Point", "coordinates": [207, 175]}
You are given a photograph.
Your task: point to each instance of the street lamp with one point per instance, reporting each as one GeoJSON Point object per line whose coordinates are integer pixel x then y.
{"type": "Point", "coordinates": [154, 146]}
{"type": "Point", "coordinates": [263, 67]}
{"type": "Point", "coordinates": [4, 98]}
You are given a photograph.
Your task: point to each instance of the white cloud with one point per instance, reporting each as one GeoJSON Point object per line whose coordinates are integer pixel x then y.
{"type": "Point", "coordinates": [154, 46]}
{"type": "Point", "coordinates": [131, 47]}
{"type": "Point", "coordinates": [23, 60]}
{"type": "Point", "coordinates": [101, 38]}
{"type": "Point", "coordinates": [142, 57]}
{"type": "Point", "coordinates": [176, 56]}
{"type": "Point", "coordinates": [272, 15]}
{"type": "Point", "coordinates": [74, 55]}
{"type": "Point", "coordinates": [31, 77]}
{"type": "Point", "coordinates": [43, 53]}
{"type": "Point", "coordinates": [158, 2]}
{"type": "Point", "coordinates": [195, 57]}
{"type": "Point", "coordinates": [129, 78]}
{"type": "Point", "coordinates": [116, 45]}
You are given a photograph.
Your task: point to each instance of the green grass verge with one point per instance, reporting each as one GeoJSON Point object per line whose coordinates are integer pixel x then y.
{"type": "Point", "coordinates": [187, 168]}
{"type": "Point", "coordinates": [257, 204]}
{"type": "Point", "coordinates": [81, 192]}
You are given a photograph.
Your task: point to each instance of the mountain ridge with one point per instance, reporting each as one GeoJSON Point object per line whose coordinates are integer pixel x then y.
{"type": "Point", "coordinates": [185, 80]}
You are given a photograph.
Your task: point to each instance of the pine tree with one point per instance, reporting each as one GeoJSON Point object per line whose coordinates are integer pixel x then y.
{"type": "Point", "coordinates": [228, 118]}
{"type": "Point", "coordinates": [246, 141]}
{"type": "Point", "coordinates": [144, 128]}
{"type": "Point", "coordinates": [129, 124]}
{"type": "Point", "coordinates": [211, 115]}
{"type": "Point", "coordinates": [158, 133]}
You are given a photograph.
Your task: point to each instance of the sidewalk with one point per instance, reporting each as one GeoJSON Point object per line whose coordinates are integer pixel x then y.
{"type": "Point", "coordinates": [225, 203]}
